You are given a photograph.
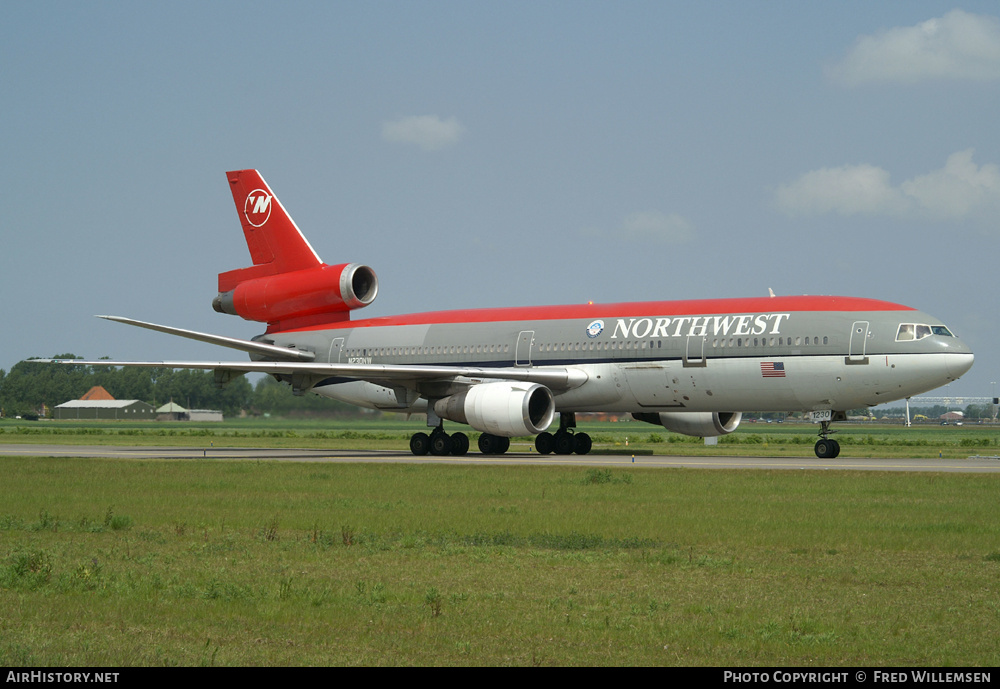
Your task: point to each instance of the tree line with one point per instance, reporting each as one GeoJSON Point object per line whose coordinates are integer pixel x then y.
{"type": "Point", "coordinates": [31, 387]}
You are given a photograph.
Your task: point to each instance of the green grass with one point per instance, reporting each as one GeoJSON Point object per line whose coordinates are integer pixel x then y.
{"type": "Point", "coordinates": [109, 562]}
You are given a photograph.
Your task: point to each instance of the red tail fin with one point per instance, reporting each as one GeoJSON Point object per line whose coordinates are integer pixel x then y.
{"type": "Point", "coordinates": [287, 285]}
{"type": "Point", "coordinates": [275, 242]}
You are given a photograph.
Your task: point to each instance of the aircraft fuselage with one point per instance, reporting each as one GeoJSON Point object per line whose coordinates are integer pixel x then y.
{"type": "Point", "coordinates": [767, 354]}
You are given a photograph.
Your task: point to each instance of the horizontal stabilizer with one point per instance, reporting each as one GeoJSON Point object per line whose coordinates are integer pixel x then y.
{"type": "Point", "coordinates": [261, 348]}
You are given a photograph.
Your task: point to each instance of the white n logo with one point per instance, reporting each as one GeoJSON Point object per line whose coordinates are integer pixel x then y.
{"type": "Point", "coordinates": [257, 207]}
{"type": "Point", "coordinates": [263, 204]}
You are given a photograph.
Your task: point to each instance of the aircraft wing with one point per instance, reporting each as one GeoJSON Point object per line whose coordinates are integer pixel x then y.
{"type": "Point", "coordinates": [380, 374]}
{"type": "Point", "coordinates": [300, 364]}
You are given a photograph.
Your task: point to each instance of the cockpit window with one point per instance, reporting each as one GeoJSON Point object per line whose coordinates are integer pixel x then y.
{"type": "Point", "coordinates": [918, 331]}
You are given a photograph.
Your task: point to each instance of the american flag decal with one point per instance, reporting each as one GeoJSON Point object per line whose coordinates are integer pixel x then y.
{"type": "Point", "coordinates": [772, 369]}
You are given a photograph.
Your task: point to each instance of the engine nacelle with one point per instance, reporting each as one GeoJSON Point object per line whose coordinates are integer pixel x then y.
{"type": "Point", "coordinates": [501, 408]}
{"type": "Point", "coordinates": [701, 424]}
{"type": "Point", "coordinates": [322, 290]}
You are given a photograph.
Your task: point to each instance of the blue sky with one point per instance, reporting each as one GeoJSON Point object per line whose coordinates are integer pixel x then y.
{"type": "Point", "coordinates": [485, 154]}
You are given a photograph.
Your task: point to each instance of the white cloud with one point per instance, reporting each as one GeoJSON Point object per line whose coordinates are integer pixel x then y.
{"type": "Point", "coordinates": [429, 132]}
{"type": "Point", "coordinates": [958, 45]}
{"type": "Point", "coordinates": [848, 190]}
{"type": "Point", "coordinates": [653, 226]}
{"type": "Point", "coordinates": [958, 191]}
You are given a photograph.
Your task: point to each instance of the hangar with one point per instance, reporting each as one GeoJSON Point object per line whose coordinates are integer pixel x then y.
{"type": "Point", "coordinates": [99, 404]}
{"type": "Point", "coordinates": [120, 410]}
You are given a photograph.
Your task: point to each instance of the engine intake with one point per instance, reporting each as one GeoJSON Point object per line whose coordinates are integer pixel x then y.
{"type": "Point", "coordinates": [501, 408]}
{"type": "Point", "coordinates": [701, 424]}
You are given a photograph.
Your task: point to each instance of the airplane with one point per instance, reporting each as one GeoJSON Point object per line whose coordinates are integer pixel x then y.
{"type": "Point", "coordinates": [692, 367]}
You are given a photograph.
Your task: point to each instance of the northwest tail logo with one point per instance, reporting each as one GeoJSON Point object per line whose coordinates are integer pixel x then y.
{"type": "Point", "coordinates": [257, 208]}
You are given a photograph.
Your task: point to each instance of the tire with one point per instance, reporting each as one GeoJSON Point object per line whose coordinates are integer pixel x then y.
{"type": "Point", "coordinates": [420, 444]}
{"type": "Point", "coordinates": [582, 443]}
{"type": "Point", "coordinates": [564, 443]}
{"type": "Point", "coordinates": [440, 444]}
{"type": "Point", "coordinates": [545, 443]}
{"type": "Point", "coordinates": [459, 444]}
{"type": "Point", "coordinates": [486, 444]}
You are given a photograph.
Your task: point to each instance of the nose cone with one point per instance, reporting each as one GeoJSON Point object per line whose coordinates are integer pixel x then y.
{"type": "Point", "coordinates": [960, 357]}
{"type": "Point", "coordinates": [959, 364]}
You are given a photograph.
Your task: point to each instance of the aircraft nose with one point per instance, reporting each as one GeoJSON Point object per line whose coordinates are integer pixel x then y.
{"type": "Point", "coordinates": [960, 357]}
{"type": "Point", "coordinates": [959, 364]}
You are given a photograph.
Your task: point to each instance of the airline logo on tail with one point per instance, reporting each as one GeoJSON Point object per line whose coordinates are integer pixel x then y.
{"type": "Point", "coordinates": [257, 208]}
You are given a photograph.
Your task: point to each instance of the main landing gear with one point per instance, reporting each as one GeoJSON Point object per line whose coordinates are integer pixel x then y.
{"type": "Point", "coordinates": [565, 441]}
{"type": "Point", "coordinates": [441, 444]}
{"type": "Point", "coordinates": [826, 447]}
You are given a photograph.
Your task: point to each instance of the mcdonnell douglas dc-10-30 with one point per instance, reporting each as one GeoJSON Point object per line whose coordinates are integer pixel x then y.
{"type": "Point", "coordinates": [691, 367]}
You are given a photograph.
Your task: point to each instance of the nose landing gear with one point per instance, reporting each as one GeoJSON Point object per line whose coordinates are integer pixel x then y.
{"type": "Point", "coordinates": [826, 447]}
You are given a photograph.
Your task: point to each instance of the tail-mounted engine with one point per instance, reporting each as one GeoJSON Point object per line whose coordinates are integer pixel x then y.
{"type": "Point", "coordinates": [323, 291]}
{"type": "Point", "coordinates": [288, 286]}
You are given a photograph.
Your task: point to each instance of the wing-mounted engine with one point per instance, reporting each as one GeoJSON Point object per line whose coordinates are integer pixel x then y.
{"type": "Point", "coordinates": [288, 285]}
{"type": "Point", "coordinates": [501, 408]}
{"type": "Point", "coordinates": [701, 424]}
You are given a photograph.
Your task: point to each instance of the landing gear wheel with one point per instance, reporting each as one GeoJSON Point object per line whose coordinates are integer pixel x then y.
{"type": "Point", "coordinates": [420, 444]}
{"type": "Point", "coordinates": [459, 444]}
{"type": "Point", "coordinates": [493, 444]}
{"type": "Point", "coordinates": [581, 443]}
{"type": "Point", "coordinates": [564, 443]}
{"type": "Point", "coordinates": [827, 449]}
{"type": "Point", "coordinates": [545, 443]}
{"type": "Point", "coordinates": [440, 444]}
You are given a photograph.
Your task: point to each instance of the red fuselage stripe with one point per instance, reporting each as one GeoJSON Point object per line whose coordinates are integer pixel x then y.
{"type": "Point", "coordinates": [624, 310]}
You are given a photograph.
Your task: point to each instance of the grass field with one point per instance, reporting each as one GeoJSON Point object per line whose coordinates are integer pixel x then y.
{"type": "Point", "coordinates": [117, 563]}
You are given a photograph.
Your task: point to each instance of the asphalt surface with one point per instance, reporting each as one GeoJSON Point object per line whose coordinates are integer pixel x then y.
{"type": "Point", "coordinates": [972, 464]}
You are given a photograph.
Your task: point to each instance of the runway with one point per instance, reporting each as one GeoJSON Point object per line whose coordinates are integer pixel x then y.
{"type": "Point", "coordinates": [973, 464]}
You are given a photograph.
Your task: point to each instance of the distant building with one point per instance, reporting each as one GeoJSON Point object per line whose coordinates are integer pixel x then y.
{"type": "Point", "coordinates": [118, 410]}
{"type": "Point", "coordinates": [171, 412]}
{"type": "Point", "coordinates": [98, 404]}
{"type": "Point", "coordinates": [204, 415]}
{"type": "Point", "coordinates": [175, 412]}
{"type": "Point", "coordinates": [97, 393]}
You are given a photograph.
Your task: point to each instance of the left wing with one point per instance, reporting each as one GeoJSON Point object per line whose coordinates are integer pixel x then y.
{"type": "Point", "coordinates": [380, 374]}
{"type": "Point", "coordinates": [298, 364]}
